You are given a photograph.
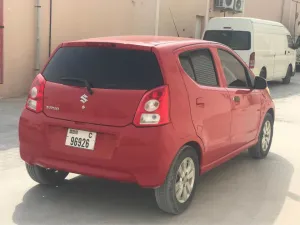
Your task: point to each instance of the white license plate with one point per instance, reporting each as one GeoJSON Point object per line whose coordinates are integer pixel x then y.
{"type": "Point", "coordinates": [81, 139]}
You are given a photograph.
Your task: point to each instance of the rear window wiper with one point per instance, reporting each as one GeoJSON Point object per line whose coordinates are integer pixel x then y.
{"type": "Point", "coordinates": [85, 82]}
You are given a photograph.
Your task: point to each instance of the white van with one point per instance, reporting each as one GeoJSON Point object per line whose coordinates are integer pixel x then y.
{"type": "Point", "coordinates": [266, 46]}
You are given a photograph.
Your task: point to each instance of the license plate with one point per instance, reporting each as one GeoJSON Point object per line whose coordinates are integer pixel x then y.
{"type": "Point", "coordinates": [81, 139]}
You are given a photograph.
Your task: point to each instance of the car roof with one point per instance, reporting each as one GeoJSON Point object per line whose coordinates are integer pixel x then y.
{"type": "Point", "coordinates": [148, 41]}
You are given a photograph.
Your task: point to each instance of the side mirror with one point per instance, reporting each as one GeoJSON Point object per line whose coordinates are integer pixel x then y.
{"type": "Point", "coordinates": [260, 83]}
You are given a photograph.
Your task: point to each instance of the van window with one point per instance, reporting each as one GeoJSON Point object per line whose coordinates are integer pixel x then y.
{"type": "Point", "coordinates": [237, 40]}
{"type": "Point", "coordinates": [298, 42]}
{"type": "Point", "coordinates": [199, 65]}
{"type": "Point", "coordinates": [290, 41]}
{"type": "Point", "coordinates": [108, 68]}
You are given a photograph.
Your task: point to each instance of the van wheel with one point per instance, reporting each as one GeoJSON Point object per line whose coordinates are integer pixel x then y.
{"type": "Point", "coordinates": [263, 73]}
{"type": "Point", "coordinates": [288, 76]}
{"type": "Point", "coordinates": [46, 176]}
{"type": "Point", "coordinates": [262, 148]}
{"type": "Point", "coordinates": [177, 192]}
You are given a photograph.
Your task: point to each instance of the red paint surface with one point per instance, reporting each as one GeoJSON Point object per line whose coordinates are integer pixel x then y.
{"type": "Point", "coordinates": [1, 40]}
{"type": "Point", "coordinates": [203, 115]}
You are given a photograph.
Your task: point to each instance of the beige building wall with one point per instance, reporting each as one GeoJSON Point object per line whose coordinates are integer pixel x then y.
{"type": "Point", "coordinates": [282, 11]}
{"type": "Point", "coordinates": [18, 47]}
{"type": "Point", "coordinates": [72, 19]}
{"type": "Point", "coordinates": [78, 19]}
{"type": "Point", "coordinates": [184, 14]}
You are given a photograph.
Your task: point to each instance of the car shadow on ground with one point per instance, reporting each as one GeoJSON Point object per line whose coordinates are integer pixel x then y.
{"type": "Point", "coordinates": [252, 191]}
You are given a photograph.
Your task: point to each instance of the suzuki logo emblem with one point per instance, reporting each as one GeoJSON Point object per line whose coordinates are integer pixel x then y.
{"type": "Point", "coordinates": [84, 98]}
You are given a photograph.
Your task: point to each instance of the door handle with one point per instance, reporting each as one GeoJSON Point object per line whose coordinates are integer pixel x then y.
{"type": "Point", "coordinates": [199, 102]}
{"type": "Point", "coordinates": [236, 99]}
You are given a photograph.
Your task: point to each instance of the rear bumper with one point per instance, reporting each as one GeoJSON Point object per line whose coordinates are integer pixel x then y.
{"type": "Point", "coordinates": [139, 155]}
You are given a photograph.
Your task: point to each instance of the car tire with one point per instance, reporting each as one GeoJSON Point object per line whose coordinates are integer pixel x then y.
{"type": "Point", "coordinates": [46, 176]}
{"type": "Point", "coordinates": [181, 180]}
{"type": "Point", "coordinates": [288, 76]}
{"type": "Point", "coordinates": [262, 148]}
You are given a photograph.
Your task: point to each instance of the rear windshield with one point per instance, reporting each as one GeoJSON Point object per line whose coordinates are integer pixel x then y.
{"type": "Point", "coordinates": [108, 68]}
{"type": "Point", "coordinates": [237, 40]}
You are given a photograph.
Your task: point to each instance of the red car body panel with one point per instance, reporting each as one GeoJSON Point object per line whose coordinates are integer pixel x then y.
{"type": "Point", "coordinates": [119, 110]}
{"type": "Point", "coordinates": [205, 117]}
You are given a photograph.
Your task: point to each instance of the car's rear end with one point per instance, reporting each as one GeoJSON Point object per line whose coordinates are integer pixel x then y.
{"type": "Point", "coordinates": [100, 109]}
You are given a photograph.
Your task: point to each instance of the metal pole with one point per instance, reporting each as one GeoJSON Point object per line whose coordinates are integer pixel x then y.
{"type": "Point", "coordinates": [50, 28]}
{"type": "Point", "coordinates": [290, 15]}
{"type": "Point", "coordinates": [296, 16]}
{"type": "Point", "coordinates": [37, 44]}
{"type": "Point", "coordinates": [157, 17]}
{"type": "Point", "coordinates": [282, 10]}
{"type": "Point", "coordinates": [206, 18]}
{"type": "Point", "coordinates": [1, 42]}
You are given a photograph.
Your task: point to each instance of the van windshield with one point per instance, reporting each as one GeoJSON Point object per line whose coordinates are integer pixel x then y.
{"type": "Point", "coordinates": [237, 40]}
{"type": "Point", "coordinates": [107, 68]}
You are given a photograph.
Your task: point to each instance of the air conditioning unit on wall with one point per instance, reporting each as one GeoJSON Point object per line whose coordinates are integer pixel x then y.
{"type": "Point", "coordinates": [224, 4]}
{"type": "Point", "coordinates": [239, 6]}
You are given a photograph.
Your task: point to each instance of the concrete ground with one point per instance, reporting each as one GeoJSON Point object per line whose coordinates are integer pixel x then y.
{"type": "Point", "coordinates": [240, 192]}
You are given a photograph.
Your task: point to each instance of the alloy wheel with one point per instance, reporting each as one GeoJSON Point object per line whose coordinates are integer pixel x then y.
{"type": "Point", "coordinates": [266, 136]}
{"type": "Point", "coordinates": [185, 180]}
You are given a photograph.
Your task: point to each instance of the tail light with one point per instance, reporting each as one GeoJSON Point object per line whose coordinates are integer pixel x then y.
{"type": "Point", "coordinates": [252, 60]}
{"type": "Point", "coordinates": [35, 100]}
{"type": "Point", "coordinates": [153, 109]}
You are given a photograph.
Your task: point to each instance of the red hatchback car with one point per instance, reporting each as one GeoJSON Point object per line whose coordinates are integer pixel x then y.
{"type": "Point", "coordinates": [156, 111]}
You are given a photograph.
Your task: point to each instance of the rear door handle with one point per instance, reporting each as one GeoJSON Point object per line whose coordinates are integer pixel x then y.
{"type": "Point", "coordinates": [200, 102]}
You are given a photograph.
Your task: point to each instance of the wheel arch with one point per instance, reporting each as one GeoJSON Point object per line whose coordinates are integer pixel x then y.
{"type": "Point", "coordinates": [272, 113]}
{"type": "Point", "coordinates": [195, 145]}
{"type": "Point", "coordinates": [291, 65]}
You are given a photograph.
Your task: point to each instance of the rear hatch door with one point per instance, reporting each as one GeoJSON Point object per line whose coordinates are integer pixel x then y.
{"type": "Point", "coordinates": [118, 78]}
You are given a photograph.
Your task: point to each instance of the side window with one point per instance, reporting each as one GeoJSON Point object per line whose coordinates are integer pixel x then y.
{"type": "Point", "coordinates": [290, 41]}
{"type": "Point", "coordinates": [200, 67]}
{"type": "Point", "coordinates": [186, 64]}
{"type": "Point", "coordinates": [235, 73]}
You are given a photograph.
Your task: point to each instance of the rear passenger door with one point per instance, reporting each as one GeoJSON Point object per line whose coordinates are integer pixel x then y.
{"type": "Point", "coordinates": [245, 101]}
{"type": "Point", "coordinates": [210, 104]}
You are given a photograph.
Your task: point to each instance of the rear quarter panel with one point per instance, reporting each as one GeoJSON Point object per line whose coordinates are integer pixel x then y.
{"type": "Point", "coordinates": [180, 114]}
